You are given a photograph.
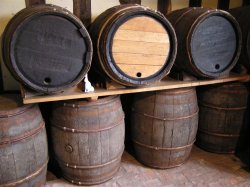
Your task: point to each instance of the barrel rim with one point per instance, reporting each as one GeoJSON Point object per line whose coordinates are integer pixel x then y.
{"type": "Point", "coordinates": [83, 103]}
{"type": "Point", "coordinates": [37, 11]}
{"type": "Point", "coordinates": [199, 20]}
{"type": "Point", "coordinates": [16, 111]}
{"type": "Point", "coordinates": [116, 73]}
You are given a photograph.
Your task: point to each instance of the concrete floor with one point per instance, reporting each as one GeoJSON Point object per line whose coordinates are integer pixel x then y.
{"type": "Point", "coordinates": [202, 169]}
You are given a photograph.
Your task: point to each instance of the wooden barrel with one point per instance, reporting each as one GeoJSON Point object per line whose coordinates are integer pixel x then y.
{"type": "Point", "coordinates": [47, 48]}
{"type": "Point", "coordinates": [133, 45]}
{"type": "Point", "coordinates": [241, 14]}
{"type": "Point", "coordinates": [23, 143]}
{"type": "Point", "coordinates": [209, 41]}
{"type": "Point", "coordinates": [164, 126]}
{"type": "Point", "coordinates": [223, 111]}
{"type": "Point", "coordinates": [91, 138]}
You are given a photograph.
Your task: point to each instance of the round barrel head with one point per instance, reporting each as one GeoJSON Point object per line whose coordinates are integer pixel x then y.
{"type": "Point", "coordinates": [140, 46]}
{"type": "Point", "coordinates": [214, 44]}
{"type": "Point", "coordinates": [48, 50]}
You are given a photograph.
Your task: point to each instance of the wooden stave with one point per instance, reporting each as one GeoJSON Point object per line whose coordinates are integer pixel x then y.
{"type": "Point", "coordinates": [33, 130]}
{"type": "Point", "coordinates": [27, 13]}
{"type": "Point", "coordinates": [80, 172]}
{"type": "Point", "coordinates": [107, 66]}
{"type": "Point", "coordinates": [184, 36]}
{"type": "Point", "coordinates": [218, 134]}
{"type": "Point", "coordinates": [145, 151]}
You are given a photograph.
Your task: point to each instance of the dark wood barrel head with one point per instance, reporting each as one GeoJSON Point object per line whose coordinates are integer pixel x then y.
{"type": "Point", "coordinates": [48, 50]}
{"type": "Point", "coordinates": [214, 44]}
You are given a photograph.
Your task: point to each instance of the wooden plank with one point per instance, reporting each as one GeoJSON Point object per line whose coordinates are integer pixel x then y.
{"type": "Point", "coordinates": [164, 6]}
{"type": "Point", "coordinates": [82, 9]}
{"type": "Point", "coordinates": [223, 4]}
{"type": "Point", "coordinates": [195, 3]}
{"type": "Point", "coordinates": [246, 2]}
{"type": "Point", "coordinates": [130, 2]}
{"type": "Point", "coordinates": [76, 93]}
{"type": "Point", "coordinates": [34, 2]}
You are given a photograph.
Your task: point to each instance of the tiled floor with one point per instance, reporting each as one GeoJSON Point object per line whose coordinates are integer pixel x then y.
{"type": "Point", "coordinates": [202, 169]}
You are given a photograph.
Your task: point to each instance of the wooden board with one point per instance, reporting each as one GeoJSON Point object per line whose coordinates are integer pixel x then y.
{"type": "Point", "coordinates": [140, 47]}
{"type": "Point", "coordinates": [76, 92]}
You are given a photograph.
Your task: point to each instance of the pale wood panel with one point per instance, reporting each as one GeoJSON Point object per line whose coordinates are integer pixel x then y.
{"type": "Point", "coordinates": [139, 71]}
{"type": "Point", "coordinates": [142, 59]}
{"type": "Point", "coordinates": [76, 92]}
{"type": "Point", "coordinates": [144, 23]}
{"type": "Point", "coordinates": [140, 47]}
{"type": "Point", "coordinates": [136, 45]}
{"type": "Point", "coordinates": [142, 36]}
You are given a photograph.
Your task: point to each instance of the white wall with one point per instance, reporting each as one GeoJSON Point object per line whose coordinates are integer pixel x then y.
{"type": "Point", "coordinates": [10, 7]}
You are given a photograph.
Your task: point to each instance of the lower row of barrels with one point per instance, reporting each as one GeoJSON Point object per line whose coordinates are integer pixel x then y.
{"type": "Point", "coordinates": [88, 136]}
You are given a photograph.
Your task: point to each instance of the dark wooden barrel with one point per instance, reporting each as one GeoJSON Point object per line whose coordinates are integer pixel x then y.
{"type": "Point", "coordinates": [23, 143]}
{"type": "Point", "coordinates": [47, 48]}
{"type": "Point", "coordinates": [223, 111]}
{"type": "Point", "coordinates": [164, 126]}
{"type": "Point", "coordinates": [209, 41]}
{"type": "Point", "coordinates": [88, 139]}
{"type": "Point", "coordinates": [133, 45]}
{"type": "Point", "coordinates": [241, 15]}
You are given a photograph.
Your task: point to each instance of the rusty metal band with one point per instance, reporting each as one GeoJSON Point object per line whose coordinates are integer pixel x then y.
{"type": "Point", "coordinates": [22, 110]}
{"type": "Point", "coordinates": [222, 108]}
{"type": "Point", "coordinates": [117, 123]}
{"type": "Point", "coordinates": [104, 178]}
{"type": "Point", "coordinates": [166, 119]}
{"type": "Point", "coordinates": [178, 92]}
{"type": "Point", "coordinates": [179, 18]}
{"type": "Point", "coordinates": [163, 148]}
{"type": "Point", "coordinates": [32, 175]}
{"type": "Point", "coordinates": [218, 134]}
{"type": "Point", "coordinates": [91, 167]}
{"type": "Point", "coordinates": [25, 135]}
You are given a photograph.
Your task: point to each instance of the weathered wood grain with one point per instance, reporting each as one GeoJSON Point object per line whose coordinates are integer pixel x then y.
{"type": "Point", "coordinates": [88, 139]}
{"type": "Point", "coordinates": [82, 9]}
{"type": "Point", "coordinates": [223, 112]}
{"type": "Point", "coordinates": [164, 126]}
{"type": "Point", "coordinates": [34, 2]}
{"type": "Point", "coordinates": [164, 6]}
{"type": "Point", "coordinates": [23, 143]}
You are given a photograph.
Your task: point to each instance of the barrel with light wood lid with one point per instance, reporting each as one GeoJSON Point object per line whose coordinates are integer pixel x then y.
{"type": "Point", "coordinates": [133, 45]}
{"type": "Point", "coordinates": [23, 143]}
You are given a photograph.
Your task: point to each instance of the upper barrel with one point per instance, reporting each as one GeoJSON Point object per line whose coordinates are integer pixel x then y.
{"type": "Point", "coordinates": [209, 41]}
{"type": "Point", "coordinates": [241, 14]}
{"type": "Point", "coordinates": [47, 48]}
{"type": "Point", "coordinates": [133, 45]}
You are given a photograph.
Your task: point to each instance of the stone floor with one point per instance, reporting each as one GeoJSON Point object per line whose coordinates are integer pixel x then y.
{"type": "Point", "coordinates": [202, 169]}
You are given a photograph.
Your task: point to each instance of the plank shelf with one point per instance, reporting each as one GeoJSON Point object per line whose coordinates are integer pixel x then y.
{"type": "Point", "coordinates": [76, 92]}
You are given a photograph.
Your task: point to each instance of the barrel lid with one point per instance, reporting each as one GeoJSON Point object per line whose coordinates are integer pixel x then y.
{"type": "Point", "coordinates": [49, 48]}
{"type": "Point", "coordinates": [11, 104]}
